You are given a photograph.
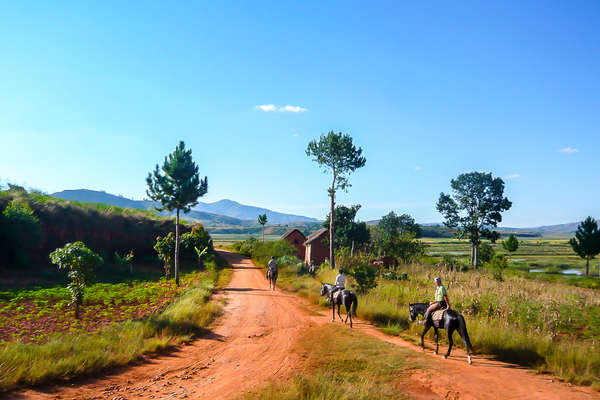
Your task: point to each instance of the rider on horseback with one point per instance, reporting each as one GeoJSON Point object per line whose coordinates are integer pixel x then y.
{"type": "Point", "coordinates": [340, 283]}
{"type": "Point", "coordinates": [441, 299]}
{"type": "Point", "coordinates": [272, 266]}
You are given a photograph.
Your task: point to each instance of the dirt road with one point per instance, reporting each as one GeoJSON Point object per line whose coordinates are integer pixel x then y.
{"type": "Point", "coordinates": [252, 344]}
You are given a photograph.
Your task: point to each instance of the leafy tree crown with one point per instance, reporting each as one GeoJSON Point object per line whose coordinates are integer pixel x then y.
{"type": "Point", "coordinates": [475, 205]}
{"type": "Point", "coordinates": [336, 153]}
{"type": "Point", "coordinates": [586, 242]}
{"type": "Point", "coordinates": [176, 185]}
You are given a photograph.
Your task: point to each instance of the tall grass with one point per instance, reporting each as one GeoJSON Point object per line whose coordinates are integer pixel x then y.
{"type": "Point", "coordinates": [67, 356]}
{"type": "Point", "coordinates": [370, 371]}
{"type": "Point", "coordinates": [549, 326]}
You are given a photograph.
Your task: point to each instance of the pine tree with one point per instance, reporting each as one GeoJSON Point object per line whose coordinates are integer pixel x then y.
{"type": "Point", "coordinates": [176, 186]}
{"type": "Point", "coordinates": [586, 242]}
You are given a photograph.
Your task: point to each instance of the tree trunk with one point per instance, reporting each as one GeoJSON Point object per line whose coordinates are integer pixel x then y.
{"type": "Point", "coordinates": [177, 249]}
{"type": "Point", "coordinates": [332, 228]}
{"type": "Point", "coordinates": [476, 250]}
{"type": "Point", "coordinates": [263, 231]}
{"type": "Point", "coordinates": [472, 255]}
{"type": "Point", "coordinates": [76, 310]}
{"type": "Point", "coordinates": [587, 266]}
{"type": "Point", "coordinates": [352, 249]}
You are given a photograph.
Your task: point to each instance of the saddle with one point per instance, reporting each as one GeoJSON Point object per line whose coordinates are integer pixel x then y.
{"type": "Point", "coordinates": [437, 315]}
{"type": "Point", "coordinates": [337, 295]}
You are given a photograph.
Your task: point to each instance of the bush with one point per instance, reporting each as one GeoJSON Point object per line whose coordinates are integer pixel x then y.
{"type": "Point", "coordinates": [19, 232]}
{"type": "Point", "coordinates": [364, 275]}
{"type": "Point", "coordinates": [485, 253]}
{"type": "Point", "coordinates": [199, 238]}
{"type": "Point", "coordinates": [165, 247]}
{"type": "Point", "coordinates": [245, 247]}
{"type": "Point", "coordinates": [263, 251]}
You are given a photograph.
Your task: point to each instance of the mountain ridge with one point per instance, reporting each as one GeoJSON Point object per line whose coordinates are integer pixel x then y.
{"type": "Point", "coordinates": [223, 211]}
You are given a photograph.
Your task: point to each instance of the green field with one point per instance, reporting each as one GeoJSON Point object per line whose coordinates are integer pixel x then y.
{"type": "Point", "coordinates": [223, 239]}
{"type": "Point", "coordinates": [537, 253]}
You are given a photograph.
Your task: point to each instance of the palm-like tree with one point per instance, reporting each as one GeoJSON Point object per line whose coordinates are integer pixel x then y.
{"type": "Point", "coordinates": [262, 220]}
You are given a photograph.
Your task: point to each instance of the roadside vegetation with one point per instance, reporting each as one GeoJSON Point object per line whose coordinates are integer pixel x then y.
{"type": "Point", "coordinates": [128, 320]}
{"type": "Point", "coordinates": [372, 370]}
{"type": "Point", "coordinates": [551, 327]}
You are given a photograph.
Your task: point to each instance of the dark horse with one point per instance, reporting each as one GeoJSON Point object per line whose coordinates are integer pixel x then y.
{"type": "Point", "coordinates": [272, 278]}
{"type": "Point", "coordinates": [451, 321]}
{"type": "Point", "coordinates": [346, 297]}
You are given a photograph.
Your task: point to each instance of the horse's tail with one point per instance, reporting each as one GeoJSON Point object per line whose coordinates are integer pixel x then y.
{"type": "Point", "coordinates": [354, 305]}
{"type": "Point", "coordinates": [462, 328]}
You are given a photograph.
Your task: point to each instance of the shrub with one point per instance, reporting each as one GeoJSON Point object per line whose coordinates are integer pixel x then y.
{"type": "Point", "coordinates": [79, 261]}
{"type": "Point", "coordinates": [364, 275]}
{"type": "Point", "coordinates": [485, 253]}
{"type": "Point", "coordinates": [199, 238]}
{"type": "Point", "coordinates": [498, 262]}
{"type": "Point", "coordinates": [19, 232]}
{"type": "Point", "coordinates": [165, 247]}
{"type": "Point", "coordinates": [262, 252]}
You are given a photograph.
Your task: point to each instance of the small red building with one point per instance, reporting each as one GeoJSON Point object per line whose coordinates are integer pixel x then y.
{"type": "Point", "coordinates": [296, 239]}
{"type": "Point", "coordinates": [317, 249]}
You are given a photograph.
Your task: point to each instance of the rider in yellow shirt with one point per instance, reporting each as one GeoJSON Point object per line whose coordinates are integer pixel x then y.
{"type": "Point", "coordinates": [441, 299]}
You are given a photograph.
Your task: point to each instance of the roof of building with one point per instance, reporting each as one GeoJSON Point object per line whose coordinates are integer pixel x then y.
{"type": "Point", "coordinates": [289, 232]}
{"type": "Point", "coordinates": [318, 234]}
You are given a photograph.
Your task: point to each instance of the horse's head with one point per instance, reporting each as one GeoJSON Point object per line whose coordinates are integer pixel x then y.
{"type": "Point", "coordinates": [324, 289]}
{"type": "Point", "coordinates": [412, 313]}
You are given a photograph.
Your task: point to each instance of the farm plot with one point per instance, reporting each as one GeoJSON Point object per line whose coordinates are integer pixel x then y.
{"type": "Point", "coordinates": [34, 315]}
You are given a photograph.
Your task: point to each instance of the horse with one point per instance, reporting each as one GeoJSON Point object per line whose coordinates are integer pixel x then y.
{"type": "Point", "coordinates": [272, 278]}
{"type": "Point", "coordinates": [451, 321]}
{"type": "Point", "coordinates": [346, 297]}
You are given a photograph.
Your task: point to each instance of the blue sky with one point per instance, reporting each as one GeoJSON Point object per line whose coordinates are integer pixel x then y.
{"type": "Point", "coordinates": [94, 95]}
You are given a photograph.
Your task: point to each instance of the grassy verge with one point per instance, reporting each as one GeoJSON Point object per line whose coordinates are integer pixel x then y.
{"type": "Point", "coordinates": [67, 356]}
{"type": "Point", "coordinates": [342, 364]}
{"type": "Point", "coordinates": [551, 327]}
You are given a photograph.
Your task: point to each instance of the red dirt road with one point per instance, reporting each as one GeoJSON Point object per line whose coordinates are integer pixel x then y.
{"type": "Point", "coordinates": [252, 344]}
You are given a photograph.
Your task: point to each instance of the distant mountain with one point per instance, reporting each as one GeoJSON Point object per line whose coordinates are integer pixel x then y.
{"type": "Point", "coordinates": [437, 229]}
{"type": "Point", "coordinates": [223, 212]}
{"type": "Point", "coordinates": [234, 209]}
{"type": "Point", "coordinates": [94, 196]}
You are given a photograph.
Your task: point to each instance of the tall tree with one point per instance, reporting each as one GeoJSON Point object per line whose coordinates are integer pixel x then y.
{"type": "Point", "coordinates": [511, 244]}
{"type": "Point", "coordinates": [474, 207]}
{"type": "Point", "coordinates": [262, 220]}
{"type": "Point", "coordinates": [586, 242]}
{"type": "Point", "coordinates": [392, 224]}
{"type": "Point", "coordinates": [176, 186]}
{"type": "Point", "coordinates": [348, 232]}
{"type": "Point", "coordinates": [337, 155]}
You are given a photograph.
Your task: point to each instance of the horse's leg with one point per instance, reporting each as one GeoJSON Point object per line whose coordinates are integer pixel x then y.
{"type": "Point", "coordinates": [350, 314]}
{"type": "Point", "coordinates": [332, 310]}
{"type": "Point", "coordinates": [425, 329]}
{"type": "Point", "coordinates": [466, 346]}
{"type": "Point", "coordinates": [449, 330]}
{"type": "Point", "coordinates": [436, 336]}
{"type": "Point", "coordinates": [340, 315]}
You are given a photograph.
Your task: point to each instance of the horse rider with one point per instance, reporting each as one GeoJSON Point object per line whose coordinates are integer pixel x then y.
{"type": "Point", "coordinates": [272, 266]}
{"type": "Point", "coordinates": [340, 283]}
{"type": "Point", "coordinates": [441, 299]}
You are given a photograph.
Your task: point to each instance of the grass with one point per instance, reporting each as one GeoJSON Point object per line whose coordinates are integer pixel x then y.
{"type": "Point", "coordinates": [550, 326]}
{"type": "Point", "coordinates": [66, 356]}
{"type": "Point", "coordinates": [372, 369]}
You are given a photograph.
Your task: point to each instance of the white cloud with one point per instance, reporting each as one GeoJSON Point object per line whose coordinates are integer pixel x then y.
{"type": "Point", "coordinates": [295, 109]}
{"type": "Point", "coordinates": [286, 108]}
{"type": "Point", "coordinates": [513, 176]}
{"type": "Point", "coordinates": [295, 134]}
{"type": "Point", "coordinates": [569, 150]}
{"type": "Point", "coordinates": [267, 107]}
{"type": "Point", "coordinates": [417, 168]}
